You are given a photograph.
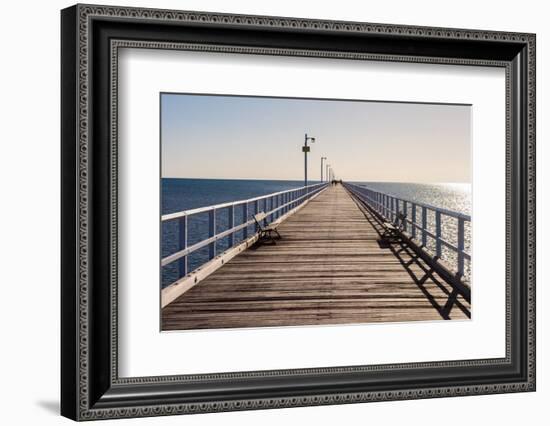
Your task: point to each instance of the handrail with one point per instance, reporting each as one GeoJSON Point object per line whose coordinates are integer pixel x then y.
{"type": "Point", "coordinates": [447, 212]}
{"type": "Point", "coordinates": [274, 205]}
{"type": "Point", "coordinates": [177, 215]}
{"type": "Point", "coordinates": [388, 206]}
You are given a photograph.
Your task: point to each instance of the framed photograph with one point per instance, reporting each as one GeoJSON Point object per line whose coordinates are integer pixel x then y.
{"type": "Point", "coordinates": [263, 212]}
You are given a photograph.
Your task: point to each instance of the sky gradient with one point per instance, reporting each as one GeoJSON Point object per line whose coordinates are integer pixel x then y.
{"type": "Point", "coordinates": [233, 137]}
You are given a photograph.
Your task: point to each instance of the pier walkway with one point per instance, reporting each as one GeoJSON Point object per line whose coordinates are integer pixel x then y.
{"type": "Point", "coordinates": [330, 267]}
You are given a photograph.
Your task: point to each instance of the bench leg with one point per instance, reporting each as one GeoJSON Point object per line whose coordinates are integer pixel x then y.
{"type": "Point", "coordinates": [266, 236]}
{"type": "Point", "coordinates": [271, 238]}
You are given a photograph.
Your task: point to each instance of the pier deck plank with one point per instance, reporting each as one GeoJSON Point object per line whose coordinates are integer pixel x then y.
{"type": "Point", "coordinates": [329, 268]}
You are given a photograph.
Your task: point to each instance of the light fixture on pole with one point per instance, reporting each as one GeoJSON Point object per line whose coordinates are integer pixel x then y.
{"type": "Point", "coordinates": [305, 150]}
{"type": "Point", "coordinates": [322, 159]}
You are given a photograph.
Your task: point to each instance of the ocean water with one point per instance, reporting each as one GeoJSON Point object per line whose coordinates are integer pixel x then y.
{"type": "Point", "coordinates": [184, 194]}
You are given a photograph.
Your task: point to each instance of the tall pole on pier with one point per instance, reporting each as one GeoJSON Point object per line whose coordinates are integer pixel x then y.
{"type": "Point", "coordinates": [327, 169]}
{"type": "Point", "coordinates": [305, 150]}
{"type": "Point", "coordinates": [322, 159]}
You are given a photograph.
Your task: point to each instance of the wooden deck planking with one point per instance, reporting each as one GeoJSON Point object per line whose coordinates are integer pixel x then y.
{"type": "Point", "coordinates": [329, 268]}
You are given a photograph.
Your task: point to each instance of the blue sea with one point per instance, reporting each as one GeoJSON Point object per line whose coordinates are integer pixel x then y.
{"type": "Point", "coordinates": [184, 194]}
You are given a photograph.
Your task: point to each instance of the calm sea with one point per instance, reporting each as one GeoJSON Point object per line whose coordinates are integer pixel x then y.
{"type": "Point", "coordinates": [184, 194]}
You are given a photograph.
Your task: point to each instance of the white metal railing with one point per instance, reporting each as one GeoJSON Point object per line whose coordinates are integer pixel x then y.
{"type": "Point", "coordinates": [274, 205]}
{"type": "Point", "coordinates": [388, 206]}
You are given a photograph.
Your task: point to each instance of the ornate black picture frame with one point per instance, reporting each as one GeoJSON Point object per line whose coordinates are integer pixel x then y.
{"type": "Point", "coordinates": [91, 37]}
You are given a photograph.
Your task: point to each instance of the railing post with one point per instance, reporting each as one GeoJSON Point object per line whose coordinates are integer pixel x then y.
{"type": "Point", "coordinates": [413, 218]}
{"type": "Point", "coordinates": [265, 211]}
{"type": "Point", "coordinates": [256, 210]}
{"type": "Point", "coordinates": [424, 225]}
{"type": "Point", "coordinates": [231, 224]}
{"type": "Point", "coordinates": [460, 248]}
{"type": "Point", "coordinates": [182, 236]}
{"type": "Point", "coordinates": [212, 232]}
{"type": "Point", "coordinates": [245, 219]}
{"type": "Point", "coordinates": [405, 223]}
{"type": "Point", "coordinates": [438, 234]}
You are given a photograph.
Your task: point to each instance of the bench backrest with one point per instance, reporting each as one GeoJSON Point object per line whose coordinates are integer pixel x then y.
{"type": "Point", "coordinates": [258, 217]}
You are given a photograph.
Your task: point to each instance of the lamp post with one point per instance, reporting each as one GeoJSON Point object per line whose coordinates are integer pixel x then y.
{"type": "Point", "coordinates": [305, 150]}
{"type": "Point", "coordinates": [327, 169]}
{"type": "Point", "coordinates": [322, 159]}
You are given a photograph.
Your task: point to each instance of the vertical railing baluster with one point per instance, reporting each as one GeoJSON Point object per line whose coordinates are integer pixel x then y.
{"type": "Point", "coordinates": [245, 219]}
{"type": "Point", "coordinates": [413, 218]}
{"type": "Point", "coordinates": [438, 234]}
{"type": "Point", "coordinates": [231, 225]}
{"type": "Point", "coordinates": [212, 233]}
{"type": "Point", "coordinates": [182, 237]}
{"type": "Point", "coordinates": [460, 247]}
{"type": "Point", "coordinates": [424, 225]}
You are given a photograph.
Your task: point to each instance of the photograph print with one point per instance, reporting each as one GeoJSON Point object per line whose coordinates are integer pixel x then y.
{"type": "Point", "coordinates": [279, 212]}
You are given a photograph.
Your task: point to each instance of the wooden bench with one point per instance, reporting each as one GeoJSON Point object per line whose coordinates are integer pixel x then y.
{"type": "Point", "coordinates": [392, 230]}
{"type": "Point", "coordinates": [266, 231]}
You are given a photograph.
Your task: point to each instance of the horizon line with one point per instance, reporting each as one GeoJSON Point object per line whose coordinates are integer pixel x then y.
{"type": "Point", "coordinates": [317, 180]}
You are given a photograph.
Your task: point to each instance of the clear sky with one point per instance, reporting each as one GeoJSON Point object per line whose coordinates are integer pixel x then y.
{"type": "Point", "coordinates": [233, 137]}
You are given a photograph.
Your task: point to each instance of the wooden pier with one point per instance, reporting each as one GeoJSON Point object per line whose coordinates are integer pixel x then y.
{"type": "Point", "coordinates": [330, 267]}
